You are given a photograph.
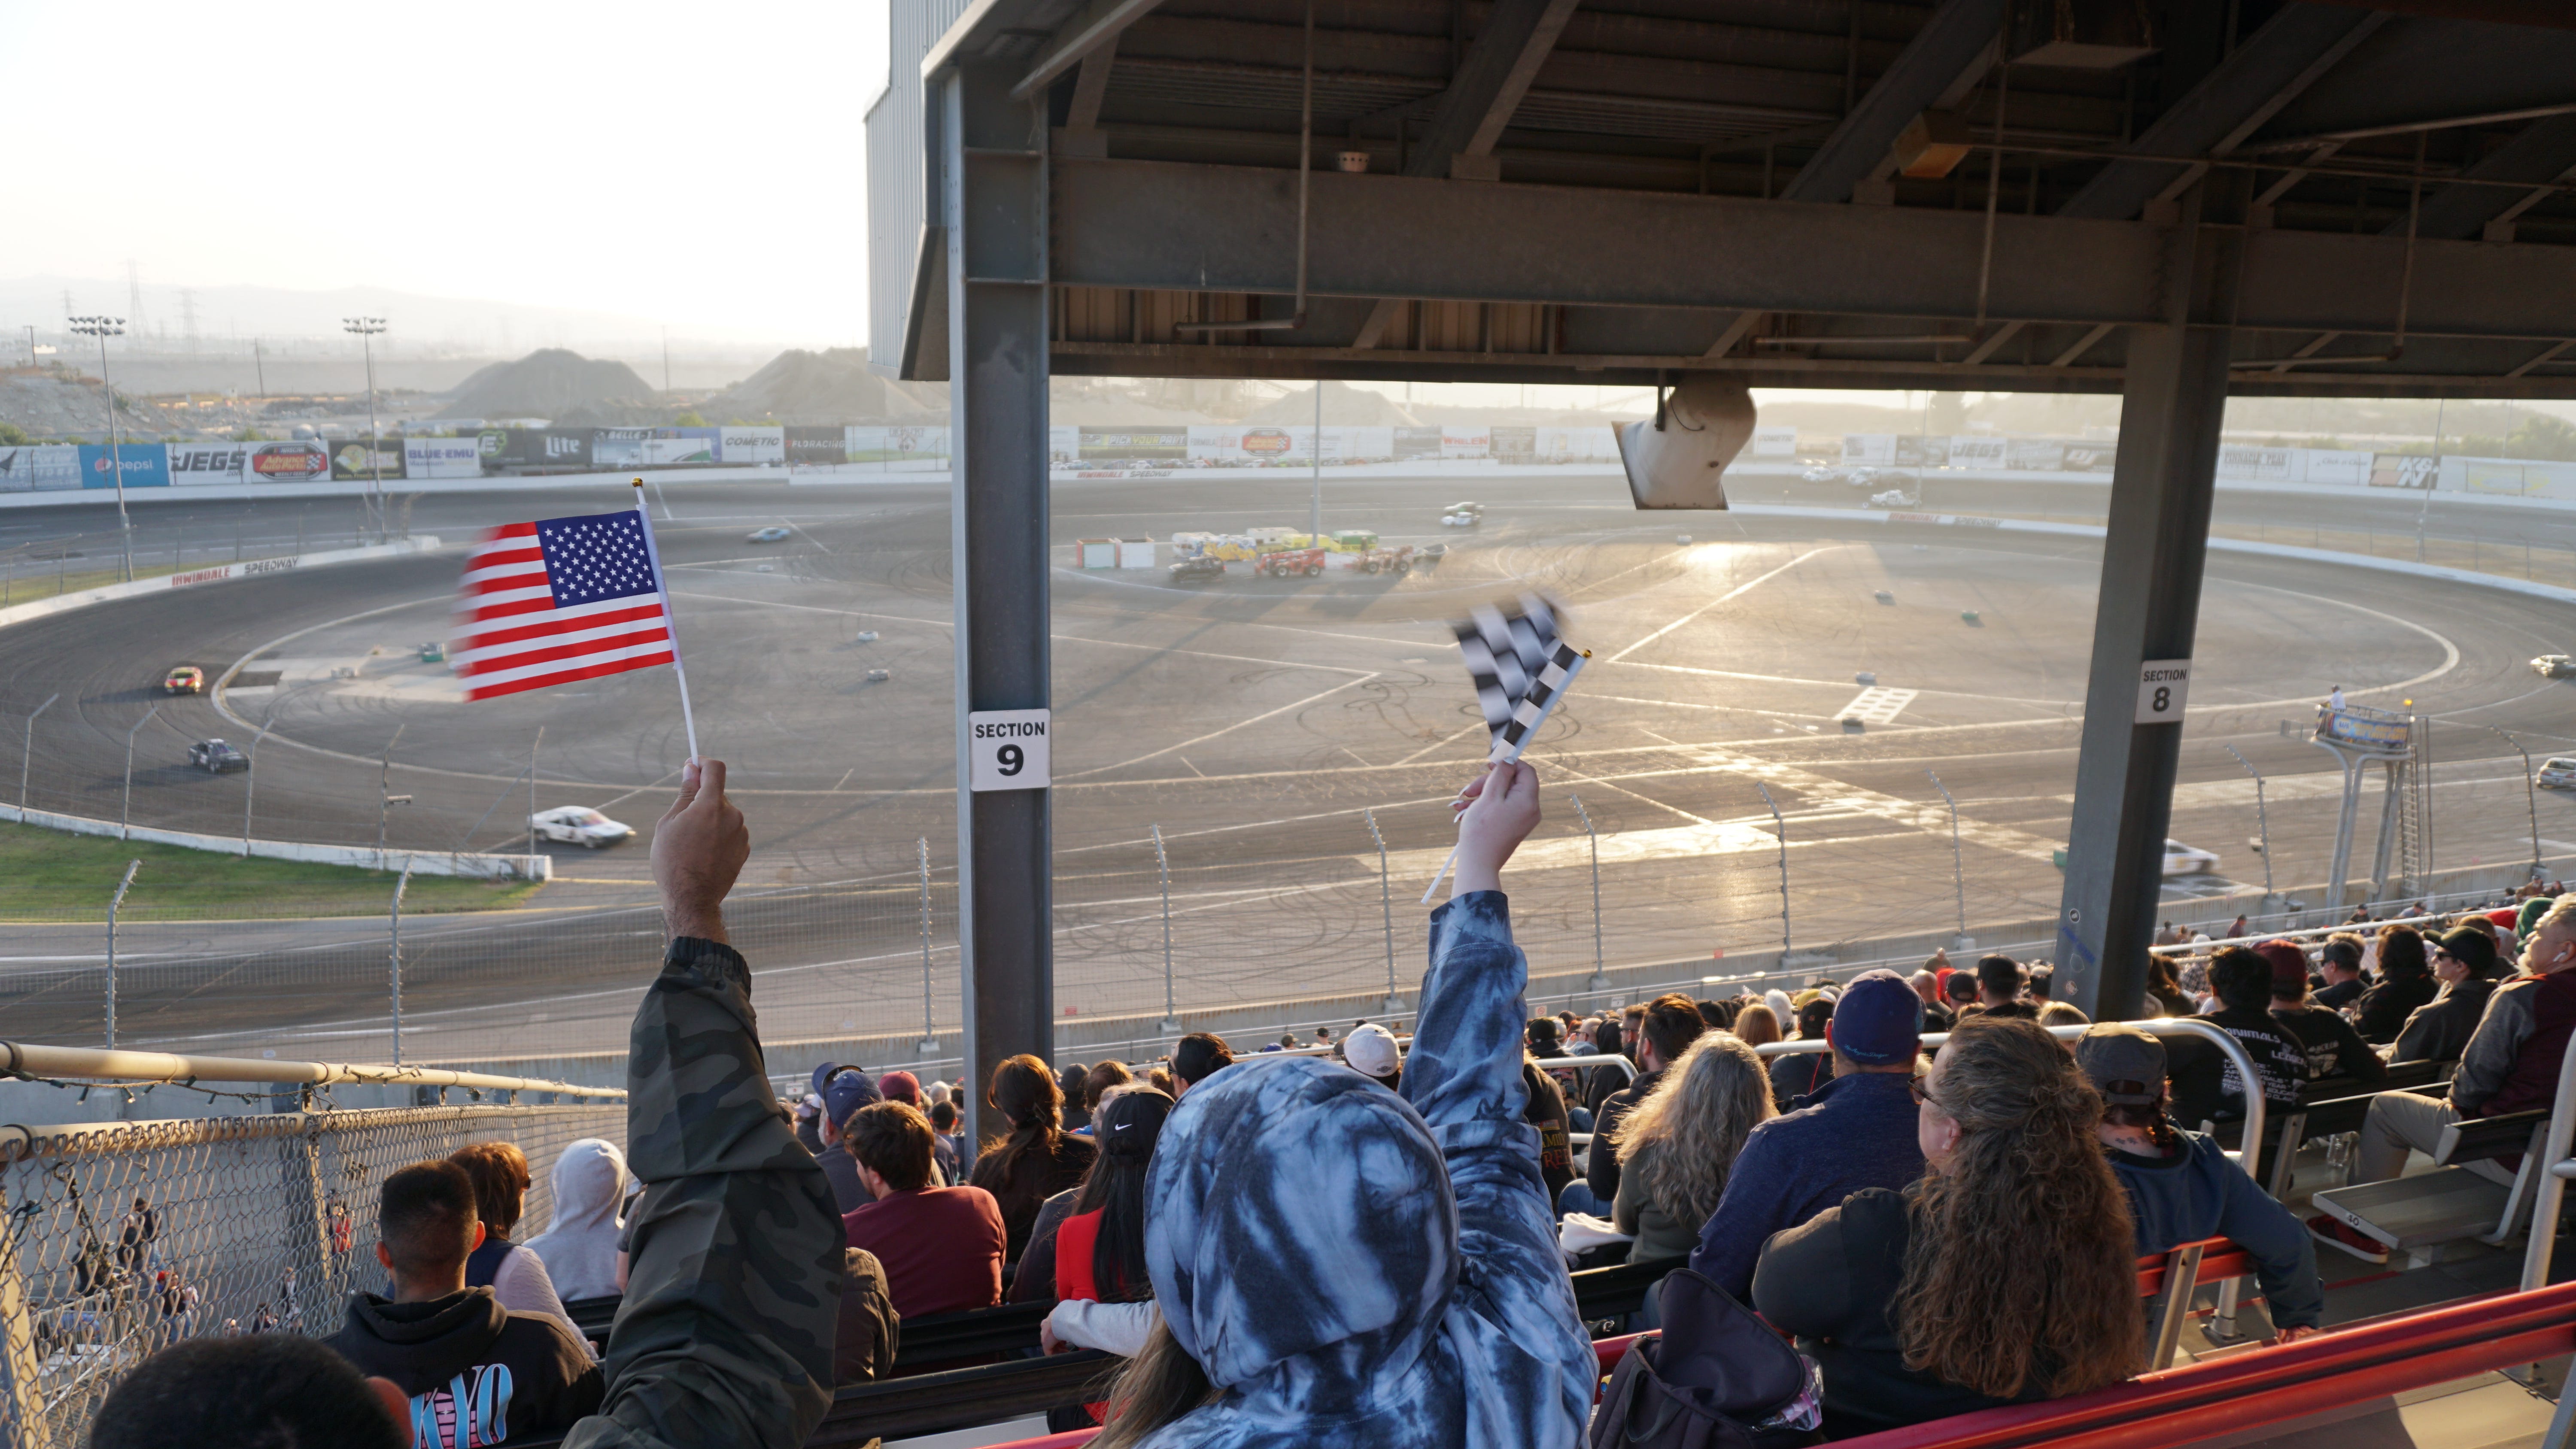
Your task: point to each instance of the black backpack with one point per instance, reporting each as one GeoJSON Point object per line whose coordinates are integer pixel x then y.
{"type": "Point", "coordinates": [1704, 1381]}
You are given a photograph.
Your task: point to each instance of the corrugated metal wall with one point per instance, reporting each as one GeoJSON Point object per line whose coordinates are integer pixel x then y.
{"type": "Point", "coordinates": [896, 173]}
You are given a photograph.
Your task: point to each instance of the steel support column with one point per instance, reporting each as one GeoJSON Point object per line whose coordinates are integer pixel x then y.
{"type": "Point", "coordinates": [2152, 559]}
{"type": "Point", "coordinates": [993, 200]}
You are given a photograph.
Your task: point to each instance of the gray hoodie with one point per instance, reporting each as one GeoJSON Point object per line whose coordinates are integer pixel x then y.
{"type": "Point", "coordinates": [580, 1245]}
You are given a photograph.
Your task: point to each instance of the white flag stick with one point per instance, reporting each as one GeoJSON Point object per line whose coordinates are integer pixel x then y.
{"type": "Point", "coordinates": [670, 616]}
{"type": "Point", "coordinates": [1506, 754]}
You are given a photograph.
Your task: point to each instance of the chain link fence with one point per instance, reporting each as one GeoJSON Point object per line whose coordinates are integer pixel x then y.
{"type": "Point", "coordinates": [124, 1238]}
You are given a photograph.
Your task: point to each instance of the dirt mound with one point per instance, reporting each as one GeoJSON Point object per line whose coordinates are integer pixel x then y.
{"type": "Point", "coordinates": [831, 386]}
{"type": "Point", "coordinates": [554, 383]}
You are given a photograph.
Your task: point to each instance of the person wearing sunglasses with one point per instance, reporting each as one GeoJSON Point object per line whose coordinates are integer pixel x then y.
{"type": "Point", "coordinates": [2465, 963]}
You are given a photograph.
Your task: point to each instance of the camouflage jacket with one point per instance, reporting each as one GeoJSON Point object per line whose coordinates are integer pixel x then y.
{"type": "Point", "coordinates": [734, 1275]}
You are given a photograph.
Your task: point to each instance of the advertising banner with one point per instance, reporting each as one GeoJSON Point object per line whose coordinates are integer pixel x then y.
{"type": "Point", "coordinates": [42, 468]}
{"type": "Point", "coordinates": [2338, 466]}
{"type": "Point", "coordinates": [2089, 457]}
{"type": "Point", "coordinates": [1921, 452]}
{"type": "Point", "coordinates": [819, 445]}
{"type": "Point", "coordinates": [899, 447]}
{"type": "Point", "coordinates": [353, 461]}
{"type": "Point", "coordinates": [443, 457]}
{"type": "Point", "coordinates": [1417, 443]}
{"type": "Point", "coordinates": [1364, 444]}
{"type": "Point", "coordinates": [2481, 476]}
{"type": "Point", "coordinates": [752, 446]}
{"type": "Point", "coordinates": [1773, 443]}
{"type": "Point", "coordinates": [676, 452]}
{"type": "Point", "coordinates": [1985, 454]}
{"type": "Point", "coordinates": [2401, 470]}
{"type": "Point", "coordinates": [2035, 455]}
{"type": "Point", "coordinates": [1580, 445]}
{"type": "Point", "coordinates": [1465, 440]}
{"type": "Point", "coordinates": [1513, 444]}
{"type": "Point", "coordinates": [145, 465]}
{"type": "Point", "coordinates": [2267, 465]}
{"type": "Point", "coordinates": [1161, 445]}
{"type": "Point", "coordinates": [194, 465]}
{"type": "Point", "coordinates": [1064, 442]}
{"type": "Point", "coordinates": [1877, 449]}
{"type": "Point", "coordinates": [617, 447]}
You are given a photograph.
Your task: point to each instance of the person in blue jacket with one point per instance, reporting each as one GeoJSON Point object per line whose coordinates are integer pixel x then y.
{"type": "Point", "coordinates": [2182, 1188]}
{"type": "Point", "coordinates": [1341, 1265]}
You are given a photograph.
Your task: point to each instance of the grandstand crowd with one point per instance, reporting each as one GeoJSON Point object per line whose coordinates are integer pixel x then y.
{"type": "Point", "coordinates": [1375, 1243]}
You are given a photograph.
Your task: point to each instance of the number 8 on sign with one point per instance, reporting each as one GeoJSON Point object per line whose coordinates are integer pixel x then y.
{"type": "Point", "coordinates": [2162, 685]}
{"type": "Point", "coordinates": [1006, 749]}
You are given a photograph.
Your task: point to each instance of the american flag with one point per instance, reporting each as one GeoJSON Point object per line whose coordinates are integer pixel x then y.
{"type": "Point", "coordinates": [1520, 664]}
{"type": "Point", "coordinates": [557, 600]}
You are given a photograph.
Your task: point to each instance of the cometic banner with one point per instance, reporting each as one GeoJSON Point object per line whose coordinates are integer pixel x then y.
{"type": "Point", "coordinates": [1773, 443]}
{"type": "Point", "coordinates": [352, 460]}
{"type": "Point", "coordinates": [145, 465]}
{"type": "Point", "coordinates": [43, 468]}
{"type": "Point", "coordinates": [752, 445]}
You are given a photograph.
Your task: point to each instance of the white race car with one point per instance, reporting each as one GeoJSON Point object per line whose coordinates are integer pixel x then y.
{"type": "Point", "coordinates": [2181, 859]}
{"type": "Point", "coordinates": [578, 825]}
{"type": "Point", "coordinates": [2553, 666]}
{"type": "Point", "coordinates": [2558, 773]}
{"type": "Point", "coordinates": [1894, 498]}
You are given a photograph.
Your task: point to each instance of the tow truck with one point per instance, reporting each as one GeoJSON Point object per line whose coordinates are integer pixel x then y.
{"type": "Point", "coordinates": [1286, 562]}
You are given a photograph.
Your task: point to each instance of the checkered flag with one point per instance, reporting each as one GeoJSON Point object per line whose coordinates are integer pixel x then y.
{"type": "Point", "coordinates": [1520, 665]}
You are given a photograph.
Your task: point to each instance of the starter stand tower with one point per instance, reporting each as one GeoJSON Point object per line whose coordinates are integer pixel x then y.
{"type": "Point", "coordinates": [2359, 737]}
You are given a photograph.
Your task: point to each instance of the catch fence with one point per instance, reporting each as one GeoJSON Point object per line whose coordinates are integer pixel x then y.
{"type": "Point", "coordinates": [123, 1238]}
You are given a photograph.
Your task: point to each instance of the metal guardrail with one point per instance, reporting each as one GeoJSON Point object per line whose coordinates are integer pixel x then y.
{"type": "Point", "coordinates": [21, 1059]}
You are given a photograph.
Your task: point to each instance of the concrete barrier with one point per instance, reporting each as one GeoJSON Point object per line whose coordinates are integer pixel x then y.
{"type": "Point", "coordinates": [213, 574]}
{"type": "Point", "coordinates": [471, 865]}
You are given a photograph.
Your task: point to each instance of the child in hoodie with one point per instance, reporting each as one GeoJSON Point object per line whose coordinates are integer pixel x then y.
{"type": "Point", "coordinates": [579, 1247]}
{"type": "Point", "coordinates": [475, 1372]}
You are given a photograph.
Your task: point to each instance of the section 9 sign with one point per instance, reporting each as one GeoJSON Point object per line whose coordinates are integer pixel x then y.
{"type": "Point", "coordinates": [1006, 749]}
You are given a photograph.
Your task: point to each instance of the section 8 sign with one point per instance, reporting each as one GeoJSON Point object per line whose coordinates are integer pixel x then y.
{"type": "Point", "coordinates": [2162, 684]}
{"type": "Point", "coordinates": [1006, 749]}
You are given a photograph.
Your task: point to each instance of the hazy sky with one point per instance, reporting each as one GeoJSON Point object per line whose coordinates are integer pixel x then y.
{"type": "Point", "coordinates": [694, 164]}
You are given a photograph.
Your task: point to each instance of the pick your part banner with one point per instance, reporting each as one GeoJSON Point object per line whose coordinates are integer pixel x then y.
{"type": "Point", "coordinates": [352, 460]}
{"type": "Point", "coordinates": [145, 465]}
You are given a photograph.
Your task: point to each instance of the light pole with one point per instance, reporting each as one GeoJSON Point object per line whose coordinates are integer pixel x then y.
{"type": "Point", "coordinates": [1958, 870]}
{"type": "Point", "coordinates": [2262, 826]}
{"type": "Point", "coordinates": [27, 751]}
{"type": "Point", "coordinates": [1780, 829]}
{"type": "Point", "coordinates": [1600, 974]}
{"type": "Point", "coordinates": [125, 812]}
{"type": "Point", "coordinates": [1163, 870]}
{"type": "Point", "coordinates": [104, 328]}
{"type": "Point", "coordinates": [366, 329]}
{"type": "Point", "coordinates": [2530, 796]}
{"type": "Point", "coordinates": [113, 903]}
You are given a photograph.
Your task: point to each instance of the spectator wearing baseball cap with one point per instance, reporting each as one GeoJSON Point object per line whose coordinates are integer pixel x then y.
{"type": "Point", "coordinates": [1371, 1051]}
{"type": "Point", "coordinates": [1853, 1133]}
{"type": "Point", "coordinates": [2465, 962]}
{"type": "Point", "coordinates": [2333, 1048]}
{"type": "Point", "coordinates": [2182, 1187]}
{"type": "Point", "coordinates": [837, 1091]}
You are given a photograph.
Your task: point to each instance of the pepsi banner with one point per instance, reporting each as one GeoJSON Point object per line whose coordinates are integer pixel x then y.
{"type": "Point", "coordinates": [144, 465]}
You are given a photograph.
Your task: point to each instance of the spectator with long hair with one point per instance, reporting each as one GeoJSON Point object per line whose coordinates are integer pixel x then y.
{"type": "Point", "coordinates": [1335, 1263]}
{"type": "Point", "coordinates": [2004, 1274]}
{"type": "Point", "coordinates": [2182, 1187]}
{"type": "Point", "coordinates": [1609, 1039]}
{"type": "Point", "coordinates": [1103, 1288]}
{"type": "Point", "coordinates": [1670, 1022]}
{"type": "Point", "coordinates": [2405, 983]}
{"type": "Point", "coordinates": [1756, 1024]}
{"type": "Point", "coordinates": [1038, 1159]}
{"type": "Point", "coordinates": [1677, 1146]}
{"type": "Point", "coordinates": [499, 1172]}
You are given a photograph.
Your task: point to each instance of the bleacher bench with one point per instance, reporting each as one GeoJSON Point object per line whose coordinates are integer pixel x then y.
{"type": "Point", "coordinates": [2415, 1215]}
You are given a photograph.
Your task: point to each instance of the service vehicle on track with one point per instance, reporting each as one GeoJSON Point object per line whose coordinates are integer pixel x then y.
{"type": "Point", "coordinates": [2554, 666]}
{"type": "Point", "coordinates": [2181, 859]}
{"type": "Point", "coordinates": [1398, 560]}
{"type": "Point", "coordinates": [771, 534]}
{"type": "Point", "coordinates": [1280, 565]}
{"type": "Point", "coordinates": [1197, 566]}
{"type": "Point", "coordinates": [2557, 773]}
{"type": "Point", "coordinates": [216, 758]}
{"type": "Point", "coordinates": [184, 679]}
{"type": "Point", "coordinates": [578, 825]}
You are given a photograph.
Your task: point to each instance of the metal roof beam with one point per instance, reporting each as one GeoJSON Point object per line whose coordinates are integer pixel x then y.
{"type": "Point", "coordinates": [2544, 152]}
{"type": "Point", "coordinates": [1491, 80]}
{"type": "Point", "coordinates": [1097, 25]}
{"type": "Point", "coordinates": [1960, 34]}
{"type": "Point", "coordinates": [2290, 53]}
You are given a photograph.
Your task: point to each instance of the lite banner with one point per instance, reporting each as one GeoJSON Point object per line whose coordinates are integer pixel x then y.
{"type": "Point", "coordinates": [42, 468]}
{"type": "Point", "coordinates": [145, 465]}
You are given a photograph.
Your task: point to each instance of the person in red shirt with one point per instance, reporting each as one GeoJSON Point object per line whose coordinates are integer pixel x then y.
{"type": "Point", "coordinates": [1104, 1293]}
{"type": "Point", "coordinates": [941, 1247]}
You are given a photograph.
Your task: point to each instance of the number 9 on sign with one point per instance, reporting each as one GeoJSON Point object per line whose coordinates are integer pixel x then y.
{"type": "Point", "coordinates": [1006, 749]}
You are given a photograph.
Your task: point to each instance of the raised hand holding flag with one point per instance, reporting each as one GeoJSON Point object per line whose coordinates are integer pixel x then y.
{"type": "Point", "coordinates": [1521, 666]}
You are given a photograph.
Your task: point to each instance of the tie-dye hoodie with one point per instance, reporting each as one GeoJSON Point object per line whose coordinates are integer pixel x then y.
{"type": "Point", "coordinates": [1356, 1268]}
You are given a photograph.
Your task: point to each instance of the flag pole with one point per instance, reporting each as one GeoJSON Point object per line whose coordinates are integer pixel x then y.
{"type": "Point", "coordinates": [1511, 754]}
{"type": "Point", "coordinates": [670, 619]}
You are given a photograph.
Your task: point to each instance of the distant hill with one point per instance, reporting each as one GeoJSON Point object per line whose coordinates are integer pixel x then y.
{"type": "Point", "coordinates": [831, 386]}
{"type": "Point", "coordinates": [560, 385]}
